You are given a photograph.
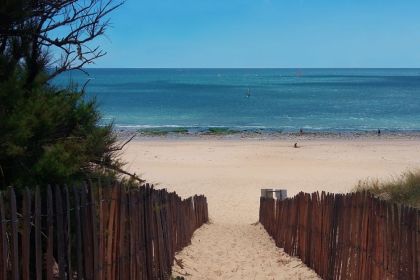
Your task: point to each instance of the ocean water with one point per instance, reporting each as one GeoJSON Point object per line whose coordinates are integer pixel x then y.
{"type": "Point", "coordinates": [248, 99]}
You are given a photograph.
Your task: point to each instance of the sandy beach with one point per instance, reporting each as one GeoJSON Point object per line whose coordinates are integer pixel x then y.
{"type": "Point", "coordinates": [232, 172]}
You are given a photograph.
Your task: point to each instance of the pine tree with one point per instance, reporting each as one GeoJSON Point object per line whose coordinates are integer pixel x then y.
{"type": "Point", "coordinates": [51, 135]}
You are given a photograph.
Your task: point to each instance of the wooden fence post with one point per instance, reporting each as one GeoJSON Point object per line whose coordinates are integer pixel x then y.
{"type": "Point", "coordinates": [38, 240]}
{"type": "Point", "coordinates": [50, 239]}
{"type": "Point", "coordinates": [26, 234]}
{"type": "Point", "coordinates": [3, 240]}
{"type": "Point", "coordinates": [60, 232]}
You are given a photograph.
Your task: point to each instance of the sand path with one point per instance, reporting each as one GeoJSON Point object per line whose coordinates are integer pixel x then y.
{"type": "Point", "coordinates": [232, 172]}
{"type": "Point", "coordinates": [239, 252]}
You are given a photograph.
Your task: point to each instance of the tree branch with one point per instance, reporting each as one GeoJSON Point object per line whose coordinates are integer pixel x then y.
{"type": "Point", "coordinates": [125, 143]}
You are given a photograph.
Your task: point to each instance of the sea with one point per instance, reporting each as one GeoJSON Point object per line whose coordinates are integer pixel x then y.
{"type": "Point", "coordinates": [282, 100]}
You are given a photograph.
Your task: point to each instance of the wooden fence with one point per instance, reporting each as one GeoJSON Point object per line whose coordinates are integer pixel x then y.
{"type": "Point", "coordinates": [346, 236]}
{"type": "Point", "coordinates": [93, 232]}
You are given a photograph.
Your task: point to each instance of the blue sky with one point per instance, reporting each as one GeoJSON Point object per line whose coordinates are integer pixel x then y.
{"type": "Point", "coordinates": [264, 33]}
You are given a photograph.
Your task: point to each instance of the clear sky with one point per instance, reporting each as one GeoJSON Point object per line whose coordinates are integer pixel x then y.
{"type": "Point", "coordinates": [264, 33]}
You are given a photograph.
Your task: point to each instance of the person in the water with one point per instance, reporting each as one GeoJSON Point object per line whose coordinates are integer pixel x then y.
{"type": "Point", "coordinates": [248, 94]}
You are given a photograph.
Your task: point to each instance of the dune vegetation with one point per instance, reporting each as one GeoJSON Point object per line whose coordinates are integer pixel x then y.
{"type": "Point", "coordinates": [220, 131]}
{"type": "Point", "coordinates": [162, 131]}
{"type": "Point", "coordinates": [404, 189]}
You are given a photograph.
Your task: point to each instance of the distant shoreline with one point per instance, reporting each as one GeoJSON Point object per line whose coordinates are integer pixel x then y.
{"type": "Point", "coordinates": [227, 133]}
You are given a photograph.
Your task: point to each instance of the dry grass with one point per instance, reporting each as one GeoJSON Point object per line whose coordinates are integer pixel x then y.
{"type": "Point", "coordinates": [404, 189]}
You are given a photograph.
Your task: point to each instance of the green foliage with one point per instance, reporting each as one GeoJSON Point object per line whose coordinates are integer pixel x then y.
{"type": "Point", "coordinates": [51, 136]}
{"type": "Point", "coordinates": [162, 131]}
{"type": "Point", "coordinates": [220, 131]}
{"type": "Point", "coordinates": [404, 189]}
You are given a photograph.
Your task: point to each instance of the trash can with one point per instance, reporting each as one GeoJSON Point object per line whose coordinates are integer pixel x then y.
{"type": "Point", "coordinates": [267, 193]}
{"type": "Point", "coordinates": [280, 194]}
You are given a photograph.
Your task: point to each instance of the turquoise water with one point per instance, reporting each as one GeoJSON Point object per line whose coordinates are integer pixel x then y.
{"type": "Point", "coordinates": [272, 99]}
